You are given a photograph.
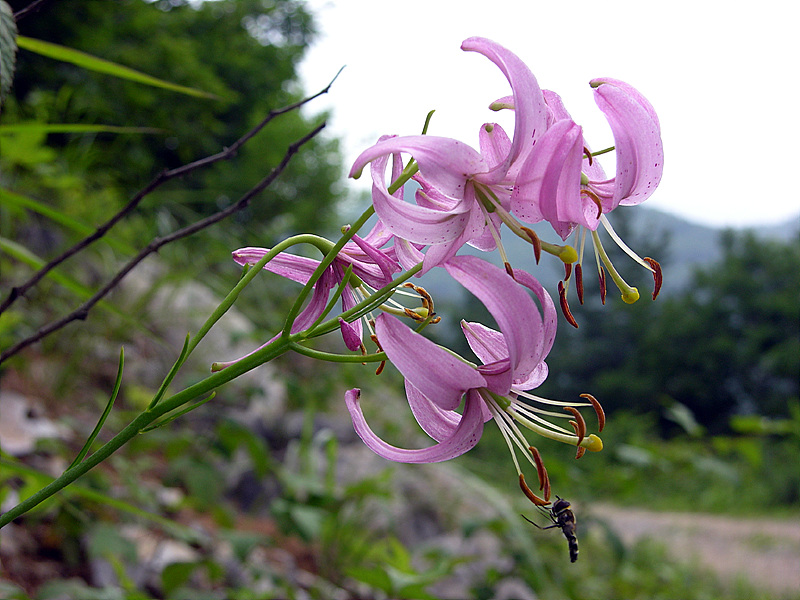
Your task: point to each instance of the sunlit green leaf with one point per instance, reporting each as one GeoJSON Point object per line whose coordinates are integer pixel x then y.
{"type": "Point", "coordinates": [73, 128]}
{"type": "Point", "coordinates": [100, 65]}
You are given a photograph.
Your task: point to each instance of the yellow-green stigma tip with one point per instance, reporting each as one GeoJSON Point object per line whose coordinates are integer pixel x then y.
{"type": "Point", "coordinates": [568, 255]}
{"type": "Point", "coordinates": [630, 296]}
{"type": "Point", "coordinates": [592, 443]}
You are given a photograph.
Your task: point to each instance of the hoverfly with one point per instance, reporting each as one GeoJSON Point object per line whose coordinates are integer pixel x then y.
{"type": "Point", "coordinates": [563, 518]}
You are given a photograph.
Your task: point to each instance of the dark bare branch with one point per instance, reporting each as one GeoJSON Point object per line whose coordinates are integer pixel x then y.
{"type": "Point", "coordinates": [82, 311]}
{"type": "Point", "coordinates": [226, 154]}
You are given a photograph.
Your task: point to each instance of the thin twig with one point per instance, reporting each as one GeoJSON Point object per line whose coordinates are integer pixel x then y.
{"type": "Point", "coordinates": [82, 311]}
{"type": "Point", "coordinates": [23, 12]}
{"type": "Point", "coordinates": [227, 153]}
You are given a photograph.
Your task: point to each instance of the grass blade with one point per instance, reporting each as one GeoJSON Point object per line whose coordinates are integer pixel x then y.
{"type": "Point", "coordinates": [104, 416]}
{"type": "Point", "coordinates": [100, 65]}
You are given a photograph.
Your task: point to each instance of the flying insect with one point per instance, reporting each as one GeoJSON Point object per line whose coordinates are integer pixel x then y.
{"type": "Point", "coordinates": [562, 517]}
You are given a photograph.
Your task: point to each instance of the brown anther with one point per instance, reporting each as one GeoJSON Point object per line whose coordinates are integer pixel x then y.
{"type": "Point", "coordinates": [509, 270]}
{"type": "Point", "coordinates": [435, 320]}
{"type": "Point", "coordinates": [601, 415]}
{"type": "Point", "coordinates": [580, 426]}
{"type": "Point", "coordinates": [540, 470]}
{"type": "Point", "coordinates": [603, 285]}
{"type": "Point", "coordinates": [427, 299]}
{"type": "Point", "coordinates": [658, 277]}
{"type": "Point", "coordinates": [529, 493]}
{"type": "Point", "coordinates": [567, 270]}
{"type": "Point", "coordinates": [381, 366]}
{"type": "Point", "coordinates": [588, 155]}
{"type": "Point", "coordinates": [593, 197]}
{"type": "Point", "coordinates": [535, 241]}
{"type": "Point", "coordinates": [579, 281]}
{"type": "Point", "coordinates": [562, 297]}
{"type": "Point", "coordinates": [412, 315]}
{"type": "Point", "coordinates": [544, 479]}
{"type": "Point", "coordinates": [581, 451]}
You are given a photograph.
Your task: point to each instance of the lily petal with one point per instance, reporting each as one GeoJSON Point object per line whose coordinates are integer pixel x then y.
{"type": "Point", "coordinates": [296, 268]}
{"type": "Point", "coordinates": [529, 106]}
{"type": "Point", "coordinates": [418, 224]}
{"type": "Point", "coordinates": [512, 308]}
{"type": "Point", "coordinates": [438, 423]}
{"type": "Point", "coordinates": [463, 439]}
{"type": "Point", "coordinates": [434, 371]}
{"type": "Point", "coordinates": [548, 187]}
{"type": "Point", "coordinates": [445, 162]}
{"type": "Point", "coordinates": [637, 137]}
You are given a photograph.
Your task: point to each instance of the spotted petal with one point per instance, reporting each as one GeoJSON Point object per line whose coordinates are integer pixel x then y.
{"type": "Point", "coordinates": [637, 137]}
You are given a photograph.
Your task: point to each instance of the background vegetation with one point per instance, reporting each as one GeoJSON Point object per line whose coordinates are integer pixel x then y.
{"type": "Point", "coordinates": [266, 492]}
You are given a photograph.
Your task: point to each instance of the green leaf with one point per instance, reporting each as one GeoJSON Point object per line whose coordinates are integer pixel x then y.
{"type": "Point", "coordinates": [100, 65]}
{"type": "Point", "coordinates": [15, 200]}
{"type": "Point", "coordinates": [8, 48]}
{"type": "Point", "coordinates": [72, 128]}
{"type": "Point", "coordinates": [105, 414]}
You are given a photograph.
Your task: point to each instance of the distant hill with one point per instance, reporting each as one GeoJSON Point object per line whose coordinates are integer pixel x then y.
{"type": "Point", "coordinates": [688, 246]}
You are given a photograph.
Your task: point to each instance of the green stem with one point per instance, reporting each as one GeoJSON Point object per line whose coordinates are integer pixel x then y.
{"type": "Point", "coordinates": [343, 358]}
{"type": "Point", "coordinates": [324, 264]}
{"type": "Point", "coordinates": [363, 307]}
{"type": "Point", "coordinates": [278, 347]}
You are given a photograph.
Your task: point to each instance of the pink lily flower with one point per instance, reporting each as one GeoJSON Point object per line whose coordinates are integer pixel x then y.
{"type": "Point", "coordinates": [436, 379]}
{"type": "Point", "coordinates": [562, 184]}
{"type": "Point", "coordinates": [374, 267]}
{"type": "Point", "coordinates": [460, 185]}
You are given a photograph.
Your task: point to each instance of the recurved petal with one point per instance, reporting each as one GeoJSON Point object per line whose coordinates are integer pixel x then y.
{"type": "Point", "coordinates": [435, 372]}
{"type": "Point", "coordinates": [494, 143]}
{"type": "Point", "coordinates": [548, 307]}
{"type": "Point", "coordinates": [530, 111]}
{"type": "Point", "coordinates": [296, 268]}
{"type": "Point", "coordinates": [637, 137]}
{"type": "Point", "coordinates": [513, 309]}
{"type": "Point", "coordinates": [446, 163]}
{"type": "Point", "coordinates": [548, 186]}
{"type": "Point", "coordinates": [438, 423]}
{"type": "Point", "coordinates": [375, 257]}
{"type": "Point", "coordinates": [463, 438]}
{"type": "Point", "coordinates": [487, 344]}
{"type": "Point", "coordinates": [418, 224]}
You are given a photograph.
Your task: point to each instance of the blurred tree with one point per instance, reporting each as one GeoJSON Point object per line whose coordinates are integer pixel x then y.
{"type": "Point", "coordinates": [729, 344]}
{"type": "Point", "coordinates": [732, 344]}
{"type": "Point", "coordinates": [244, 51]}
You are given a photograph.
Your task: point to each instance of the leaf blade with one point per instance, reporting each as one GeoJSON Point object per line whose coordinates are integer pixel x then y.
{"type": "Point", "coordinates": [101, 65]}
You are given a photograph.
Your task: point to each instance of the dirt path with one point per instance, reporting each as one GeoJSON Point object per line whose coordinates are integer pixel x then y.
{"type": "Point", "coordinates": [766, 552]}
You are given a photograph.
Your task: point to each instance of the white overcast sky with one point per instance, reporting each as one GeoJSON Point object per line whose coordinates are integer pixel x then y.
{"type": "Point", "coordinates": [722, 76]}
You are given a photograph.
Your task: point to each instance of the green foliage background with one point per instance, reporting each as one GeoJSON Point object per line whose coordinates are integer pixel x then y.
{"type": "Point", "coordinates": [701, 386]}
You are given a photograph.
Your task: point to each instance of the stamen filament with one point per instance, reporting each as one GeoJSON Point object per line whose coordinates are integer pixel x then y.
{"type": "Point", "coordinates": [629, 293]}
{"type": "Point", "coordinates": [541, 400]}
{"type": "Point", "coordinates": [623, 246]}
